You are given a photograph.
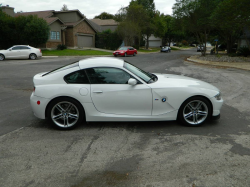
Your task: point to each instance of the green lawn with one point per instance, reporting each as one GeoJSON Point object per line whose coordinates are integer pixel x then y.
{"type": "Point", "coordinates": [175, 49]}
{"type": "Point", "coordinates": [73, 52]}
{"type": "Point", "coordinates": [149, 50]}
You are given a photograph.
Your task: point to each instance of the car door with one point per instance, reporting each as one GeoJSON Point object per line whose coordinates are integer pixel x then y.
{"type": "Point", "coordinates": [111, 93]}
{"type": "Point", "coordinates": [131, 51]}
{"type": "Point", "coordinates": [24, 51]}
{"type": "Point", "coordinates": [14, 52]}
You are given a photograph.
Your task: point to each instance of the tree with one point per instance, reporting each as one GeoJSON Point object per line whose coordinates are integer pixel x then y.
{"type": "Point", "coordinates": [64, 8]}
{"type": "Point", "coordinates": [231, 18]}
{"type": "Point", "coordinates": [105, 15]}
{"type": "Point", "coordinates": [132, 22]}
{"type": "Point", "coordinates": [194, 17]}
{"type": "Point", "coordinates": [26, 30]}
{"type": "Point", "coordinates": [149, 28]}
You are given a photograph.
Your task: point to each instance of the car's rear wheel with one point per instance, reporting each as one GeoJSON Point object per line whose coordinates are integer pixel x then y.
{"type": "Point", "coordinates": [2, 57]}
{"type": "Point", "coordinates": [195, 111]}
{"type": "Point", "coordinates": [33, 56]}
{"type": "Point", "coordinates": [65, 113]}
{"type": "Point", "coordinates": [125, 54]}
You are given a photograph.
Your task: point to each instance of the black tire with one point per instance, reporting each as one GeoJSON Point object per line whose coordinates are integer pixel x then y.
{"type": "Point", "coordinates": [33, 56]}
{"type": "Point", "coordinates": [2, 57]}
{"type": "Point", "coordinates": [125, 55]}
{"type": "Point", "coordinates": [115, 55]}
{"type": "Point", "coordinates": [134, 54]}
{"type": "Point", "coordinates": [68, 110]}
{"type": "Point", "coordinates": [200, 115]}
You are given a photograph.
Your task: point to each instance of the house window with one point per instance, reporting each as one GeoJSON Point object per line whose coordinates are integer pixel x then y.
{"type": "Point", "coordinates": [53, 35]}
{"type": "Point", "coordinates": [58, 35]}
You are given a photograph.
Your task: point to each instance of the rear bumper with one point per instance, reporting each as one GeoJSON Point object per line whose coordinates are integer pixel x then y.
{"type": "Point", "coordinates": [38, 109]}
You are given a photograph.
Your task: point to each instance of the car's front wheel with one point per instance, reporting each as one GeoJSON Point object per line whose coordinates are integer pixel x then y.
{"type": "Point", "coordinates": [2, 57]}
{"type": "Point", "coordinates": [195, 111]}
{"type": "Point", "coordinates": [134, 54]}
{"type": "Point", "coordinates": [65, 113]}
{"type": "Point", "coordinates": [33, 56]}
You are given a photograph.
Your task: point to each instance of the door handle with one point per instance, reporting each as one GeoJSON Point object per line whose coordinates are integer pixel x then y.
{"type": "Point", "coordinates": [97, 92]}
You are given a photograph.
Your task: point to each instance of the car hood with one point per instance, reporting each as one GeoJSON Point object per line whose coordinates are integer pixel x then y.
{"type": "Point", "coordinates": [169, 80]}
{"type": "Point", "coordinates": [1, 51]}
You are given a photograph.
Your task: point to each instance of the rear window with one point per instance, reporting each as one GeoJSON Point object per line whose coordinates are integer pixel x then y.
{"type": "Point", "coordinates": [77, 77]}
{"type": "Point", "coordinates": [68, 66]}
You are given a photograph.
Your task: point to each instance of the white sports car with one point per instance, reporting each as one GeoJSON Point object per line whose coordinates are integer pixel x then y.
{"type": "Point", "coordinates": [109, 89]}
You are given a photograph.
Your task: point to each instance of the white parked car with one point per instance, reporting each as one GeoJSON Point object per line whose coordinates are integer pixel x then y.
{"type": "Point", "coordinates": [20, 52]}
{"type": "Point", "coordinates": [109, 89]}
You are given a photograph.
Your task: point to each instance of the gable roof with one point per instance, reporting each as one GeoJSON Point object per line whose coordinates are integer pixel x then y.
{"type": "Point", "coordinates": [47, 16]}
{"type": "Point", "coordinates": [104, 22]}
{"type": "Point", "coordinates": [74, 10]}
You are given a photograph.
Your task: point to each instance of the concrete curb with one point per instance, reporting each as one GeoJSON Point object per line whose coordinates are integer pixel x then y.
{"type": "Point", "coordinates": [236, 65]}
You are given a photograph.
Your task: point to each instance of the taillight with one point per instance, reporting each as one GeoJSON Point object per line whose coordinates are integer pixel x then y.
{"type": "Point", "coordinates": [34, 89]}
{"type": "Point", "coordinates": [40, 50]}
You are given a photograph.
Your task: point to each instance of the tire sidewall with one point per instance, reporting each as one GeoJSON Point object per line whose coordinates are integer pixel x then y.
{"type": "Point", "coordinates": [34, 55]}
{"type": "Point", "coordinates": [73, 101]}
{"type": "Point", "coordinates": [180, 112]}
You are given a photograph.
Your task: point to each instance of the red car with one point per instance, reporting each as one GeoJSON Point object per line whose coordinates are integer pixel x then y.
{"type": "Point", "coordinates": [125, 51]}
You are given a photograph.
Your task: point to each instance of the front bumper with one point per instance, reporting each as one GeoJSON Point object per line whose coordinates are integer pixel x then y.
{"type": "Point", "coordinates": [38, 109]}
{"type": "Point", "coordinates": [217, 104]}
{"type": "Point", "coordinates": [118, 54]}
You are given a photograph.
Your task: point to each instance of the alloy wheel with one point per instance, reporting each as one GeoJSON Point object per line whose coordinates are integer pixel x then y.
{"type": "Point", "coordinates": [1, 57]}
{"type": "Point", "coordinates": [195, 112]}
{"type": "Point", "coordinates": [65, 114]}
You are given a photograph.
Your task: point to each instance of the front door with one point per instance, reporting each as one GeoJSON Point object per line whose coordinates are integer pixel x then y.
{"type": "Point", "coordinates": [111, 93]}
{"type": "Point", "coordinates": [13, 53]}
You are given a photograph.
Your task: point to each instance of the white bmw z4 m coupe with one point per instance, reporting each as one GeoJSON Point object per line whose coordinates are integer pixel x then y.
{"type": "Point", "coordinates": [109, 89]}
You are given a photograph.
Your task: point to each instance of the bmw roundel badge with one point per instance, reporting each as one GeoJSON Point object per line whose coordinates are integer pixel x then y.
{"type": "Point", "coordinates": [164, 99]}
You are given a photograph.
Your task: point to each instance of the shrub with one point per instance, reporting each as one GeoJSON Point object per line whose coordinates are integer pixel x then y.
{"type": "Point", "coordinates": [244, 51]}
{"type": "Point", "coordinates": [61, 47]}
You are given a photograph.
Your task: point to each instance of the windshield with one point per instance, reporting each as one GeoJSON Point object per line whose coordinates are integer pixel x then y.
{"type": "Point", "coordinates": [147, 77]}
{"type": "Point", "coordinates": [123, 48]}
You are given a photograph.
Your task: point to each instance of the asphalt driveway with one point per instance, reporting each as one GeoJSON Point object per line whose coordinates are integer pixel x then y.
{"type": "Point", "coordinates": [125, 154]}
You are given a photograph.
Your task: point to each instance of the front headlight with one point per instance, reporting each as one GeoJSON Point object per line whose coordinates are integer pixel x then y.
{"type": "Point", "coordinates": [218, 96]}
{"type": "Point", "coordinates": [122, 52]}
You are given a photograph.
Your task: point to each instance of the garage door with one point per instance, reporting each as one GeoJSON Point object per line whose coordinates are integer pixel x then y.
{"type": "Point", "coordinates": [154, 43]}
{"type": "Point", "coordinates": [85, 41]}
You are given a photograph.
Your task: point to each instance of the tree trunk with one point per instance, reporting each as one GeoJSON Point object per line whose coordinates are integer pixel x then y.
{"type": "Point", "coordinates": [147, 42]}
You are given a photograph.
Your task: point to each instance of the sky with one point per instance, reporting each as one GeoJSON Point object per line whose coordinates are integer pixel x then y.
{"type": "Point", "coordinates": [89, 8]}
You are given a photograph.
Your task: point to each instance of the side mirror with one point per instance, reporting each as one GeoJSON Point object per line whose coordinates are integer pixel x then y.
{"type": "Point", "coordinates": [132, 82]}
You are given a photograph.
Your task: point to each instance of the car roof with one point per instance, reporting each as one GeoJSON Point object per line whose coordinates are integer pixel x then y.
{"type": "Point", "coordinates": [101, 62]}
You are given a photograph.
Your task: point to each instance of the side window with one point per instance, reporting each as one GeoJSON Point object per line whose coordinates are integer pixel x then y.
{"type": "Point", "coordinates": [131, 48]}
{"type": "Point", "coordinates": [15, 48]}
{"type": "Point", "coordinates": [77, 77]}
{"type": "Point", "coordinates": [23, 47]}
{"type": "Point", "coordinates": [107, 76]}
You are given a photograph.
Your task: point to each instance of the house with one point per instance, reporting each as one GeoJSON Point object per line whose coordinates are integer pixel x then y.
{"type": "Point", "coordinates": [244, 40]}
{"type": "Point", "coordinates": [8, 10]}
{"type": "Point", "coordinates": [70, 28]}
{"type": "Point", "coordinates": [102, 25]}
{"type": "Point", "coordinates": [154, 41]}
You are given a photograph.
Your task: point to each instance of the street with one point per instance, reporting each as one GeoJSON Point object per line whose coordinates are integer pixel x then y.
{"type": "Point", "coordinates": [121, 153]}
